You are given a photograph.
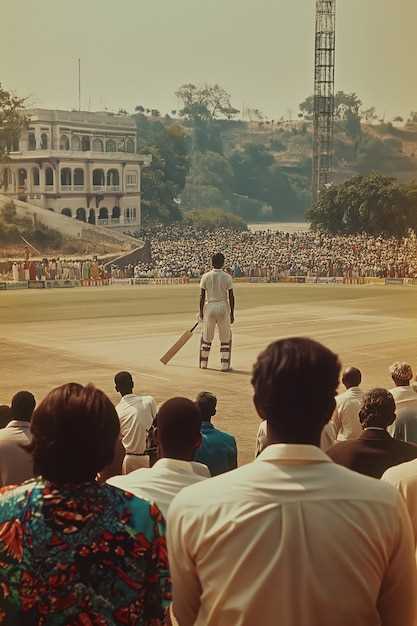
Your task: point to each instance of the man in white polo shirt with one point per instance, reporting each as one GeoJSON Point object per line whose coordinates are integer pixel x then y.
{"type": "Point", "coordinates": [136, 414]}
{"type": "Point", "coordinates": [217, 308]}
{"type": "Point", "coordinates": [348, 404]}
{"type": "Point", "coordinates": [178, 428]}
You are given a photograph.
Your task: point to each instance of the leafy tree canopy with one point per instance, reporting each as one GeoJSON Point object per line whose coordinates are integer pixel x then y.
{"type": "Point", "coordinates": [375, 204]}
{"type": "Point", "coordinates": [205, 103]}
{"type": "Point", "coordinates": [12, 120]}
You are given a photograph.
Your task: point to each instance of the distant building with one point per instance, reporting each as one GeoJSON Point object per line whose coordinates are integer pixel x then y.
{"type": "Point", "coordinates": [81, 164]}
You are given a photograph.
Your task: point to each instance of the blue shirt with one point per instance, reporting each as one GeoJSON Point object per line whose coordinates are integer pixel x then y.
{"type": "Point", "coordinates": [218, 450]}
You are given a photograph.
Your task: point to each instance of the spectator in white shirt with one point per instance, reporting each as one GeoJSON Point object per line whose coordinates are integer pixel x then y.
{"type": "Point", "coordinates": [404, 478]}
{"type": "Point", "coordinates": [348, 404]}
{"type": "Point", "coordinates": [16, 464]}
{"type": "Point", "coordinates": [178, 431]}
{"type": "Point", "coordinates": [136, 414]}
{"type": "Point", "coordinates": [292, 538]}
{"type": "Point", "coordinates": [404, 395]}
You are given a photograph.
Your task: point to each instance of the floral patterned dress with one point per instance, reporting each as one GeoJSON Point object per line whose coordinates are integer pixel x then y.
{"type": "Point", "coordinates": [84, 555]}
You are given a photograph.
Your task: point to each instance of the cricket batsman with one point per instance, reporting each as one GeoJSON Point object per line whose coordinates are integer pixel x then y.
{"type": "Point", "coordinates": [217, 308]}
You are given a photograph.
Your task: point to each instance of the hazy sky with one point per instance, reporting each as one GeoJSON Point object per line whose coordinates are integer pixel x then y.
{"type": "Point", "coordinates": [139, 51]}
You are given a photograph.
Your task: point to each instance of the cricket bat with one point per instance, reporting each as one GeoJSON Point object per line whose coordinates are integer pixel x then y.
{"type": "Point", "coordinates": [180, 343]}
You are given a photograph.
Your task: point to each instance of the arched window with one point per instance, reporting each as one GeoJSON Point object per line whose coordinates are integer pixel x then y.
{"type": "Point", "coordinates": [103, 213]}
{"type": "Point", "coordinates": [49, 176]}
{"type": "Point", "coordinates": [79, 177]}
{"type": "Point", "coordinates": [31, 141]}
{"type": "Point", "coordinates": [130, 145]}
{"type": "Point", "coordinates": [98, 145]}
{"type": "Point", "coordinates": [85, 144]}
{"type": "Point", "coordinates": [44, 141]}
{"type": "Point", "coordinates": [76, 143]}
{"type": "Point", "coordinates": [98, 178]}
{"type": "Point", "coordinates": [113, 179]}
{"type": "Point", "coordinates": [81, 215]}
{"type": "Point", "coordinates": [67, 212]}
{"type": "Point", "coordinates": [22, 177]}
{"type": "Point", "coordinates": [92, 217]}
{"type": "Point", "coordinates": [35, 176]}
{"type": "Point", "coordinates": [115, 212]}
{"type": "Point", "coordinates": [66, 176]}
{"type": "Point", "coordinates": [110, 146]}
{"type": "Point", "coordinates": [64, 143]}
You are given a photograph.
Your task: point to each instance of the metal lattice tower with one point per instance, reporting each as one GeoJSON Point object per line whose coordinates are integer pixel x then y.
{"type": "Point", "coordinates": [324, 66]}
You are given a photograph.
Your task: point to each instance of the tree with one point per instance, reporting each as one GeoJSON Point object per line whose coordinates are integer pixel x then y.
{"type": "Point", "coordinates": [209, 183]}
{"type": "Point", "coordinates": [398, 118]}
{"type": "Point", "coordinates": [12, 120]}
{"type": "Point", "coordinates": [205, 103]}
{"type": "Point", "coordinates": [164, 180]}
{"type": "Point", "coordinates": [374, 204]}
{"type": "Point", "coordinates": [139, 109]}
{"type": "Point", "coordinates": [343, 103]}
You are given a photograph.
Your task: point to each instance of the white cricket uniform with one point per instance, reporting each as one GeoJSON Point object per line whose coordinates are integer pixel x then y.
{"type": "Point", "coordinates": [217, 284]}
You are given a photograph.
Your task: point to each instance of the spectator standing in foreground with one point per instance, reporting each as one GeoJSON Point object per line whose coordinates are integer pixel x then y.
{"type": "Point", "coordinates": [15, 463]}
{"type": "Point", "coordinates": [5, 415]}
{"type": "Point", "coordinates": [136, 414]}
{"type": "Point", "coordinates": [218, 449]}
{"type": "Point", "coordinates": [75, 551]}
{"type": "Point", "coordinates": [292, 538]}
{"type": "Point", "coordinates": [178, 431]}
{"type": "Point", "coordinates": [375, 450]}
{"type": "Point", "coordinates": [348, 404]}
{"type": "Point", "coordinates": [405, 396]}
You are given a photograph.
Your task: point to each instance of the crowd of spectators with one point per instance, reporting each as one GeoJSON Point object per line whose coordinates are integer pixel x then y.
{"type": "Point", "coordinates": [134, 514]}
{"type": "Point", "coordinates": [187, 250]}
{"type": "Point", "coordinates": [52, 269]}
{"type": "Point", "coordinates": [181, 251]}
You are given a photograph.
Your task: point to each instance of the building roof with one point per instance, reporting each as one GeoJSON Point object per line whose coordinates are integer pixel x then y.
{"type": "Point", "coordinates": [88, 118]}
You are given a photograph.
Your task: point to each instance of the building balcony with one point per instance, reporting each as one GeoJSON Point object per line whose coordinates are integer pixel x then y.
{"type": "Point", "coordinates": [49, 188]}
{"type": "Point", "coordinates": [103, 221]}
{"type": "Point", "coordinates": [113, 188]}
{"type": "Point", "coordinates": [78, 187]}
{"type": "Point", "coordinates": [99, 188]}
{"type": "Point", "coordinates": [65, 188]}
{"type": "Point", "coordinates": [115, 221]}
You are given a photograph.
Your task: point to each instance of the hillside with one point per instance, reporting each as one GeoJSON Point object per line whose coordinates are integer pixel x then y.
{"type": "Point", "coordinates": [259, 170]}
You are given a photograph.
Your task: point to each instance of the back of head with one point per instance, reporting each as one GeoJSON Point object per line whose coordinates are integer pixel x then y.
{"type": "Point", "coordinates": [378, 409]}
{"type": "Point", "coordinates": [123, 382]}
{"type": "Point", "coordinates": [179, 424]}
{"type": "Point", "coordinates": [352, 377]}
{"type": "Point", "coordinates": [295, 382]}
{"type": "Point", "coordinates": [207, 403]}
{"type": "Point", "coordinates": [5, 415]}
{"type": "Point", "coordinates": [217, 260]}
{"type": "Point", "coordinates": [401, 373]}
{"type": "Point", "coordinates": [22, 406]}
{"type": "Point", "coordinates": [74, 430]}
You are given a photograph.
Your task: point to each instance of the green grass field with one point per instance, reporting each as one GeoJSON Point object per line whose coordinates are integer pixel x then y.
{"type": "Point", "coordinates": [51, 337]}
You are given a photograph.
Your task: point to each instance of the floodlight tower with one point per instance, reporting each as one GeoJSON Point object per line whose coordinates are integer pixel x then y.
{"type": "Point", "coordinates": [324, 66]}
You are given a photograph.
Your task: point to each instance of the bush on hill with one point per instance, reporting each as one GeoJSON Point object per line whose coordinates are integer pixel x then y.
{"type": "Point", "coordinates": [211, 219]}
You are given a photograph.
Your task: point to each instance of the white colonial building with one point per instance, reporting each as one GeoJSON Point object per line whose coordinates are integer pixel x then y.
{"type": "Point", "coordinates": [81, 164]}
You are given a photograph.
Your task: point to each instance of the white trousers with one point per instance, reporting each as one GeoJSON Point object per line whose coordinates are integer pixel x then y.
{"type": "Point", "coordinates": [216, 314]}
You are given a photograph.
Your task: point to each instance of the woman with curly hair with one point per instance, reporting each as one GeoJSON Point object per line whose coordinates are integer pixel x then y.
{"type": "Point", "coordinates": [73, 550]}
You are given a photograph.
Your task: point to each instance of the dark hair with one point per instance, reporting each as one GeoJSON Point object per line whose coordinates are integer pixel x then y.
{"type": "Point", "coordinates": [352, 377]}
{"type": "Point", "coordinates": [5, 415]}
{"type": "Point", "coordinates": [123, 381]}
{"type": "Point", "coordinates": [22, 406]}
{"type": "Point", "coordinates": [217, 260]}
{"type": "Point", "coordinates": [74, 430]}
{"type": "Point", "coordinates": [179, 424]}
{"type": "Point", "coordinates": [378, 409]}
{"type": "Point", "coordinates": [207, 403]}
{"type": "Point", "coordinates": [295, 382]}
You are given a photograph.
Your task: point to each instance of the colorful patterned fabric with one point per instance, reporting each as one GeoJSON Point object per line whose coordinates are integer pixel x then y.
{"type": "Point", "coordinates": [85, 555]}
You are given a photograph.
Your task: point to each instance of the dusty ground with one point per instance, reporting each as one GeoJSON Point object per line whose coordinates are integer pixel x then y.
{"type": "Point", "coordinates": [51, 337]}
